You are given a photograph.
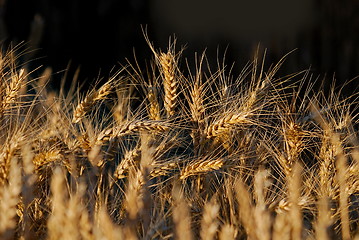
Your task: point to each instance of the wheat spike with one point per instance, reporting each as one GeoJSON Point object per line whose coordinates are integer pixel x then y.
{"type": "Point", "coordinates": [153, 108]}
{"type": "Point", "coordinates": [261, 213]}
{"type": "Point", "coordinates": [59, 198]}
{"type": "Point", "coordinates": [131, 128]}
{"type": "Point", "coordinates": [13, 88]}
{"type": "Point", "coordinates": [9, 148]}
{"type": "Point", "coordinates": [245, 209]}
{"type": "Point", "coordinates": [209, 222]}
{"type": "Point", "coordinates": [201, 167]}
{"type": "Point", "coordinates": [227, 122]}
{"type": "Point", "coordinates": [86, 105]}
{"type": "Point", "coordinates": [44, 158]}
{"type": "Point", "coordinates": [324, 219]}
{"type": "Point", "coordinates": [163, 170]}
{"type": "Point", "coordinates": [9, 196]}
{"type": "Point", "coordinates": [167, 62]}
{"type": "Point", "coordinates": [341, 167]}
{"type": "Point", "coordinates": [131, 159]}
{"type": "Point", "coordinates": [181, 215]}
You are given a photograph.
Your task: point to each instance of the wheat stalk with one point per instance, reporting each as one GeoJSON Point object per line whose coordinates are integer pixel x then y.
{"type": "Point", "coordinates": [294, 187]}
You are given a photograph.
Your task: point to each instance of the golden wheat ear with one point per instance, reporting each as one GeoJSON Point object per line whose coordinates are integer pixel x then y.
{"type": "Point", "coordinates": [95, 96]}
{"type": "Point", "coordinates": [168, 65]}
{"type": "Point", "coordinates": [89, 101]}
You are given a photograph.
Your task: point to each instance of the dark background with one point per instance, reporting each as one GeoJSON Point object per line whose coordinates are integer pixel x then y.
{"type": "Point", "coordinates": [98, 35]}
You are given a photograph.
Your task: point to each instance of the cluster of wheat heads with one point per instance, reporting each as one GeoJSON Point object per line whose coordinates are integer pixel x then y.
{"type": "Point", "coordinates": [171, 153]}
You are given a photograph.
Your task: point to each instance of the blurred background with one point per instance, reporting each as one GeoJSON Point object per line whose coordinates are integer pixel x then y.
{"type": "Point", "coordinates": [99, 35]}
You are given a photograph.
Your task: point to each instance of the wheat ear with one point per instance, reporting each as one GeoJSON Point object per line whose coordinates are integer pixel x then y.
{"type": "Point", "coordinates": [134, 203]}
{"type": "Point", "coordinates": [133, 127]}
{"type": "Point", "coordinates": [12, 90]}
{"type": "Point", "coordinates": [201, 167]}
{"type": "Point", "coordinates": [324, 220]}
{"type": "Point", "coordinates": [131, 159]}
{"type": "Point", "coordinates": [58, 213]}
{"type": "Point", "coordinates": [9, 148]}
{"type": "Point", "coordinates": [209, 222]}
{"type": "Point", "coordinates": [85, 105]}
{"type": "Point", "coordinates": [261, 213]}
{"type": "Point", "coordinates": [181, 215]}
{"type": "Point", "coordinates": [167, 62]}
{"type": "Point", "coordinates": [197, 113]}
{"type": "Point", "coordinates": [227, 122]}
{"type": "Point", "coordinates": [9, 196]}
{"type": "Point", "coordinates": [341, 167]}
{"type": "Point", "coordinates": [106, 229]}
{"type": "Point", "coordinates": [245, 209]}
{"type": "Point", "coordinates": [153, 108]}
{"type": "Point", "coordinates": [228, 232]}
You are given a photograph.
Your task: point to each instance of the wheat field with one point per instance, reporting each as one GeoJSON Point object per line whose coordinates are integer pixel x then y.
{"type": "Point", "coordinates": [177, 151]}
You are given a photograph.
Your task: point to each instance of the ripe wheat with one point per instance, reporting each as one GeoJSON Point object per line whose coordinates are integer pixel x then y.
{"type": "Point", "coordinates": [177, 154]}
